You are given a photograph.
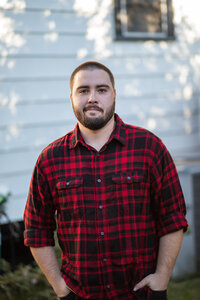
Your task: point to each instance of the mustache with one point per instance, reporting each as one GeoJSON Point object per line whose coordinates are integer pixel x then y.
{"type": "Point", "coordinates": [92, 107]}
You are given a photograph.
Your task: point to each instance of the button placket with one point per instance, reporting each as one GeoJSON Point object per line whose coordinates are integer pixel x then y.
{"type": "Point", "coordinates": [100, 207]}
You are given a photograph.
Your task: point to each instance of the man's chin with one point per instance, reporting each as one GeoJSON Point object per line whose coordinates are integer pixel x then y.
{"type": "Point", "coordinates": [93, 123]}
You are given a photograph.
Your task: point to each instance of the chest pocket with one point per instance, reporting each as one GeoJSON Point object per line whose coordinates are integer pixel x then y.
{"type": "Point", "coordinates": [70, 197]}
{"type": "Point", "coordinates": [132, 190]}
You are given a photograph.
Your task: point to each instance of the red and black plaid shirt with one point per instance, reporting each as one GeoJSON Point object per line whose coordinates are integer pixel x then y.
{"type": "Point", "coordinates": [111, 207]}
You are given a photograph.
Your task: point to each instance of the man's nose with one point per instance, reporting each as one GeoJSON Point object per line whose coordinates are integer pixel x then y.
{"type": "Point", "coordinates": [92, 97]}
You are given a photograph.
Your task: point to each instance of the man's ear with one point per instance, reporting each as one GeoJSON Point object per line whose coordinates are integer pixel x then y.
{"type": "Point", "coordinates": [115, 93]}
{"type": "Point", "coordinates": [71, 97]}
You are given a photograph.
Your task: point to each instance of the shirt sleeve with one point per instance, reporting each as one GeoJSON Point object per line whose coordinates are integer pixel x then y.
{"type": "Point", "coordinates": [167, 197]}
{"type": "Point", "coordinates": [39, 214]}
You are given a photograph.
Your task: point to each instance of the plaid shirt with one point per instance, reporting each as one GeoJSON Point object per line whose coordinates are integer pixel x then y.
{"type": "Point", "coordinates": [111, 208]}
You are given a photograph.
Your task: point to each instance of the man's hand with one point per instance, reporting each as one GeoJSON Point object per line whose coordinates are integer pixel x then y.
{"type": "Point", "coordinates": [169, 247]}
{"type": "Point", "coordinates": [62, 289]}
{"type": "Point", "coordinates": [156, 282]}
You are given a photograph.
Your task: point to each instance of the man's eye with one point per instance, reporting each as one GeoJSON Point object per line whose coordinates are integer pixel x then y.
{"type": "Point", "coordinates": [83, 91]}
{"type": "Point", "coordinates": [102, 90]}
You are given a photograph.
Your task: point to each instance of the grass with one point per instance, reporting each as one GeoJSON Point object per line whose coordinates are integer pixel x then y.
{"type": "Point", "coordinates": [188, 289]}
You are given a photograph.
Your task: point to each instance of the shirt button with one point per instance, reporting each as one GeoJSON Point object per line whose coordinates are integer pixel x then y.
{"type": "Point", "coordinates": [128, 177]}
{"type": "Point", "coordinates": [67, 183]}
{"type": "Point", "coordinates": [108, 286]}
{"type": "Point", "coordinates": [98, 180]}
{"type": "Point", "coordinates": [104, 259]}
{"type": "Point", "coordinates": [100, 206]}
{"type": "Point", "coordinates": [102, 233]}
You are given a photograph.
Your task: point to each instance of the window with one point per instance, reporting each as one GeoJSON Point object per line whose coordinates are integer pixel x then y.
{"type": "Point", "coordinates": [144, 19]}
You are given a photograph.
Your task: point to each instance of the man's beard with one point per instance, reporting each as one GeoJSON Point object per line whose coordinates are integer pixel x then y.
{"type": "Point", "coordinates": [94, 123]}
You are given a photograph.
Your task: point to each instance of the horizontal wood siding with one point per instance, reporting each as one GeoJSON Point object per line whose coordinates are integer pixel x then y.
{"type": "Point", "coordinates": [43, 41]}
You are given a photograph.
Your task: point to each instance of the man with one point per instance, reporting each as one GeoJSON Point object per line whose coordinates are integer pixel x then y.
{"type": "Point", "coordinates": [120, 212]}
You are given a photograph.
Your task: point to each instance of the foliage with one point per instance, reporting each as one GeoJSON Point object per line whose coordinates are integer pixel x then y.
{"type": "Point", "coordinates": [26, 283]}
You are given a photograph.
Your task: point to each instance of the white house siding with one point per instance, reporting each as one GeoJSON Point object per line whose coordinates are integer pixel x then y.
{"type": "Point", "coordinates": [41, 42]}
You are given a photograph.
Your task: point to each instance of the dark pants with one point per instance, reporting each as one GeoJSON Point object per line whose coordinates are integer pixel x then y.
{"type": "Point", "coordinates": [159, 295]}
{"type": "Point", "coordinates": [70, 296]}
{"type": "Point", "coordinates": [156, 295]}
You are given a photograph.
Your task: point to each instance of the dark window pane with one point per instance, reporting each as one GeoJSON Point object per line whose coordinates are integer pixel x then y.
{"type": "Point", "coordinates": [143, 16]}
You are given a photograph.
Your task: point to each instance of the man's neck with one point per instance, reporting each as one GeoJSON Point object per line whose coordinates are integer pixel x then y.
{"type": "Point", "coordinates": [97, 138]}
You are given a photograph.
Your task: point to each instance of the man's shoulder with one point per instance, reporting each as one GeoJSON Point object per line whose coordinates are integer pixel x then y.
{"type": "Point", "coordinates": [142, 138]}
{"type": "Point", "coordinates": [138, 131]}
{"type": "Point", "coordinates": [56, 147]}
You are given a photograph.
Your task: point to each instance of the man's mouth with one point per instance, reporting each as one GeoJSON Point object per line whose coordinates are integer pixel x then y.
{"type": "Point", "coordinates": [92, 108]}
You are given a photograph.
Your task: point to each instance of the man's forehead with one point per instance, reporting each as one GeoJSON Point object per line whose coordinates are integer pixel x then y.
{"type": "Point", "coordinates": [94, 76]}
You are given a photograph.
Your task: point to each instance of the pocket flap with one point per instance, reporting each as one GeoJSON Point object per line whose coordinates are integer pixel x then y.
{"type": "Point", "coordinates": [129, 177]}
{"type": "Point", "coordinates": [69, 182]}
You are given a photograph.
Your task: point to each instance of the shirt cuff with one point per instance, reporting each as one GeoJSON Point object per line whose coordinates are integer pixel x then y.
{"type": "Point", "coordinates": [172, 224]}
{"type": "Point", "coordinates": [38, 238]}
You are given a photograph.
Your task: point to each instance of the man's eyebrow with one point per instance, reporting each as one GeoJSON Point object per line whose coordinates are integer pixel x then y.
{"type": "Point", "coordinates": [82, 87]}
{"type": "Point", "coordinates": [103, 85]}
{"type": "Point", "coordinates": [97, 86]}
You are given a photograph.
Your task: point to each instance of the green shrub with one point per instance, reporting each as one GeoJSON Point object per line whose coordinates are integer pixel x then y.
{"type": "Point", "coordinates": [27, 282]}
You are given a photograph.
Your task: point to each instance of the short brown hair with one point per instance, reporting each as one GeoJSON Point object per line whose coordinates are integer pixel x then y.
{"type": "Point", "coordinates": [91, 65]}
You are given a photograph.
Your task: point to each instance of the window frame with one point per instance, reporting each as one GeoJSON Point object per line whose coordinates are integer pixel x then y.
{"type": "Point", "coordinates": [123, 35]}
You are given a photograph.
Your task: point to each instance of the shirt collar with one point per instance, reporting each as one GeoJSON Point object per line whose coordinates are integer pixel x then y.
{"type": "Point", "coordinates": [117, 134]}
